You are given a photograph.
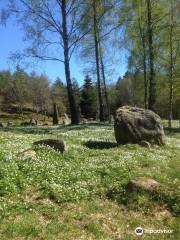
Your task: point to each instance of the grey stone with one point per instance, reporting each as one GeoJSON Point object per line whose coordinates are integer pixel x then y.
{"type": "Point", "coordinates": [27, 154]}
{"type": "Point", "coordinates": [84, 121]}
{"type": "Point", "coordinates": [25, 124]}
{"type": "Point", "coordinates": [33, 122]}
{"type": "Point", "coordinates": [143, 184]}
{"type": "Point", "coordinates": [9, 124]}
{"type": "Point", "coordinates": [145, 144]}
{"type": "Point", "coordinates": [58, 145]}
{"type": "Point", "coordinates": [133, 125]}
{"type": "Point", "coordinates": [66, 120]}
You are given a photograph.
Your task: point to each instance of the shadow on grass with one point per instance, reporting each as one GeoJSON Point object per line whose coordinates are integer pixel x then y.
{"type": "Point", "coordinates": [130, 198]}
{"type": "Point", "coordinates": [27, 130]}
{"type": "Point", "coordinates": [83, 126]}
{"type": "Point", "coordinates": [51, 129]}
{"type": "Point", "coordinates": [172, 130]}
{"type": "Point", "coordinates": [100, 144]}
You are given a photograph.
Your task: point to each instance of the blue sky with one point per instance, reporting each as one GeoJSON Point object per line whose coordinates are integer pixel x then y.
{"type": "Point", "coordinates": [12, 41]}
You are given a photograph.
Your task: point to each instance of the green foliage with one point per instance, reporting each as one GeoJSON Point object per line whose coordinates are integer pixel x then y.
{"type": "Point", "coordinates": [31, 91]}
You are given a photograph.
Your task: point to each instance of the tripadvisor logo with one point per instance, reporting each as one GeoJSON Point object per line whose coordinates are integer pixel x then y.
{"type": "Point", "coordinates": [138, 231]}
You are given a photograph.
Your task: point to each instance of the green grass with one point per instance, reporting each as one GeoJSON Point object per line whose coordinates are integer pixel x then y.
{"type": "Point", "coordinates": [83, 194]}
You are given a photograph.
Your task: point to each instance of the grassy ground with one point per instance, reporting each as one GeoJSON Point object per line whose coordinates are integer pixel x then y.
{"type": "Point", "coordinates": [83, 194]}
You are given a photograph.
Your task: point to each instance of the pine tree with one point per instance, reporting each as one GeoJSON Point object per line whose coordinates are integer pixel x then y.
{"type": "Point", "coordinates": [88, 99]}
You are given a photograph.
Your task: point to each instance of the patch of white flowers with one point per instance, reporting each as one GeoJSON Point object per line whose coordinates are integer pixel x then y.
{"type": "Point", "coordinates": [81, 171]}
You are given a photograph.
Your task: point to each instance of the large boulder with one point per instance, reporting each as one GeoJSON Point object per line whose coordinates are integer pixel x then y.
{"type": "Point", "coordinates": [58, 145]}
{"type": "Point", "coordinates": [134, 125]}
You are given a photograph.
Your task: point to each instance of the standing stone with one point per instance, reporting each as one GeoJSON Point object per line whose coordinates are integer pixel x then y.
{"type": "Point", "coordinates": [66, 120]}
{"type": "Point", "coordinates": [55, 114]}
{"type": "Point", "coordinates": [134, 125]}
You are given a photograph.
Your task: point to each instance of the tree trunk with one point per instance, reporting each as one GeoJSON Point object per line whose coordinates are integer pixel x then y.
{"type": "Point", "coordinates": [142, 34]}
{"type": "Point", "coordinates": [145, 75]}
{"type": "Point", "coordinates": [104, 82]}
{"type": "Point", "coordinates": [143, 40]}
{"type": "Point", "coordinates": [21, 109]}
{"type": "Point", "coordinates": [101, 110]}
{"type": "Point", "coordinates": [152, 79]}
{"type": "Point", "coordinates": [75, 118]}
{"type": "Point", "coordinates": [171, 68]}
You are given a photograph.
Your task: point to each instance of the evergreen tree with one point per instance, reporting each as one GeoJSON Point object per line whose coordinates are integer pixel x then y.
{"type": "Point", "coordinates": [88, 99]}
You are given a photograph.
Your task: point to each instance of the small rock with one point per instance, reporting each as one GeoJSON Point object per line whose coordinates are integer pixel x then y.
{"type": "Point", "coordinates": [58, 145]}
{"type": "Point", "coordinates": [144, 184]}
{"type": "Point", "coordinates": [145, 144]}
{"type": "Point", "coordinates": [9, 124]}
{"type": "Point", "coordinates": [33, 122]}
{"type": "Point", "coordinates": [27, 154]}
{"type": "Point", "coordinates": [84, 121]}
{"type": "Point", "coordinates": [155, 146]}
{"type": "Point", "coordinates": [1, 125]}
{"type": "Point", "coordinates": [25, 124]}
{"type": "Point", "coordinates": [162, 213]}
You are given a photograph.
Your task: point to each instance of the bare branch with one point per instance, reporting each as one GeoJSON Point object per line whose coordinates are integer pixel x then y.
{"type": "Point", "coordinates": [46, 58]}
{"type": "Point", "coordinates": [40, 15]}
{"type": "Point", "coordinates": [79, 39]}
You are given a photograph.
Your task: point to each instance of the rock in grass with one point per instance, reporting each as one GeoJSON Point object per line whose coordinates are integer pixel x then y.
{"type": "Point", "coordinates": [9, 124]}
{"type": "Point", "coordinates": [147, 184]}
{"type": "Point", "coordinates": [32, 122]}
{"type": "Point", "coordinates": [24, 124]}
{"type": "Point", "coordinates": [27, 154]}
{"type": "Point", "coordinates": [145, 144]}
{"type": "Point", "coordinates": [1, 125]}
{"type": "Point", "coordinates": [133, 125]}
{"type": "Point", "coordinates": [58, 145]}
